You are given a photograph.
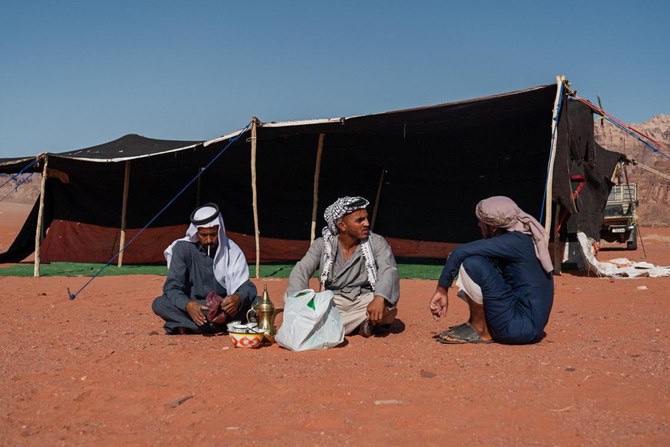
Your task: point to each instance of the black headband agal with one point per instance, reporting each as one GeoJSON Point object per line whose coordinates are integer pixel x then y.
{"type": "Point", "coordinates": [205, 219]}
{"type": "Point", "coordinates": [358, 203]}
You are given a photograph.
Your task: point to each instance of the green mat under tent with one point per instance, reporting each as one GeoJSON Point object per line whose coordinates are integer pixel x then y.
{"type": "Point", "coordinates": [406, 271]}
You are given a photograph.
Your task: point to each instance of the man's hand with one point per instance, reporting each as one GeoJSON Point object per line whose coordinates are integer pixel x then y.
{"type": "Point", "coordinates": [439, 303]}
{"type": "Point", "coordinates": [194, 310]}
{"type": "Point", "coordinates": [231, 305]}
{"type": "Point", "coordinates": [376, 309]}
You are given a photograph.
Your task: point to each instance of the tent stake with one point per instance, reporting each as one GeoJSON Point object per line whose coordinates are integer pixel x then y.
{"type": "Point", "coordinates": [315, 197]}
{"type": "Point", "coordinates": [254, 124]}
{"type": "Point", "coordinates": [40, 218]}
{"type": "Point", "coordinates": [124, 210]}
{"type": "Point", "coordinates": [377, 197]}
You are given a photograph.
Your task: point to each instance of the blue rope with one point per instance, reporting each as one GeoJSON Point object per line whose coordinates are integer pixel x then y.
{"type": "Point", "coordinates": [200, 172]}
{"type": "Point", "coordinates": [633, 134]}
{"type": "Point", "coordinates": [16, 187]}
{"type": "Point", "coordinates": [15, 176]}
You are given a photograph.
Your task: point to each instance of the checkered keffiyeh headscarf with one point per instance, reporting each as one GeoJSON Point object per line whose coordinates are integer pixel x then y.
{"type": "Point", "coordinates": [333, 215]}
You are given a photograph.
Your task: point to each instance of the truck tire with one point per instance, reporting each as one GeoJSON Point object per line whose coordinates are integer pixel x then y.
{"type": "Point", "coordinates": [631, 244]}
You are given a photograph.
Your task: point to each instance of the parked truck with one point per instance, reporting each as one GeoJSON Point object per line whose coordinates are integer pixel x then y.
{"type": "Point", "coordinates": [620, 221]}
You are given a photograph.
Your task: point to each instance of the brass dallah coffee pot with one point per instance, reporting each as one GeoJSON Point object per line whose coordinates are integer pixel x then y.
{"type": "Point", "coordinates": [265, 314]}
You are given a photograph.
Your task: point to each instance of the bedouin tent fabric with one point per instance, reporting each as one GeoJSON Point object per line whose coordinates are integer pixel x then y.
{"type": "Point", "coordinates": [427, 166]}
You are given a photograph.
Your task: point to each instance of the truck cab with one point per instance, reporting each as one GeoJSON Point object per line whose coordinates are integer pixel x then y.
{"type": "Point", "coordinates": [620, 219]}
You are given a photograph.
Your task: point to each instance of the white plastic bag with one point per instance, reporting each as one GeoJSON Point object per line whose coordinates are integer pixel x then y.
{"type": "Point", "coordinates": [311, 321]}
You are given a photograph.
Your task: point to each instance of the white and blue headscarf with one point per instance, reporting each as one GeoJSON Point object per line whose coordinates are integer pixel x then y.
{"type": "Point", "coordinates": [229, 265]}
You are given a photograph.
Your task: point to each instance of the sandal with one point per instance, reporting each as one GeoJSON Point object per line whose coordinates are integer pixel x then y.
{"type": "Point", "coordinates": [449, 330]}
{"type": "Point", "coordinates": [460, 335]}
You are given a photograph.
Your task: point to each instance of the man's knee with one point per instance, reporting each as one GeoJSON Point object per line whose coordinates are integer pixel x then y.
{"type": "Point", "coordinates": [487, 276]}
{"type": "Point", "coordinates": [477, 267]}
{"type": "Point", "coordinates": [160, 305]}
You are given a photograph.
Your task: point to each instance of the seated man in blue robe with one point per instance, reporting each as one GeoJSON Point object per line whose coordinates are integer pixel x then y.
{"type": "Point", "coordinates": [506, 278]}
{"type": "Point", "coordinates": [208, 278]}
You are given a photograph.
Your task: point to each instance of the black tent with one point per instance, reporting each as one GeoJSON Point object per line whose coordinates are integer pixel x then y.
{"type": "Point", "coordinates": [423, 169]}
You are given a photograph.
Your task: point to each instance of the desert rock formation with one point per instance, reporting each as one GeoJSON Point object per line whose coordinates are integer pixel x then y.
{"type": "Point", "coordinates": [653, 189]}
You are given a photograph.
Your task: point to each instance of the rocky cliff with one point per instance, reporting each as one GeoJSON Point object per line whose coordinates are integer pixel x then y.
{"type": "Point", "coordinates": [653, 189]}
{"type": "Point", "coordinates": [24, 189]}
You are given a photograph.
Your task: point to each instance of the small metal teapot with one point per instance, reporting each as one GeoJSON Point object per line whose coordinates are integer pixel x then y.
{"type": "Point", "coordinates": [265, 314]}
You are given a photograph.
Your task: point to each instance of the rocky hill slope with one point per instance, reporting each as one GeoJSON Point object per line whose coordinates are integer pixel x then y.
{"type": "Point", "coordinates": [653, 189]}
{"type": "Point", "coordinates": [23, 189]}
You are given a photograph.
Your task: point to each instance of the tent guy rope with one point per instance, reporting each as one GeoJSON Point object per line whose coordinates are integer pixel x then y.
{"type": "Point", "coordinates": [645, 139]}
{"type": "Point", "coordinates": [72, 296]}
{"type": "Point", "coordinates": [652, 170]}
{"type": "Point", "coordinates": [16, 187]}
{"type": "Point", "coordinates": [16, 176]}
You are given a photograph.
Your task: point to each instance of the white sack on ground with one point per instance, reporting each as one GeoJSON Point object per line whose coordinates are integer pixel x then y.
{"type": "Point", "coordinates": [619, 267]}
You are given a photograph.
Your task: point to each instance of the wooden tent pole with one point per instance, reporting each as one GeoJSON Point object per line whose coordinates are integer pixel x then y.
{"type": "Point", "coordinates": [377, 197]}
{"type": "Point", "coordinates": [124, 211]}
{"type": "Point", "coordinates": [558, 254]}
{"type": "Point", "coordinates": [40, 217]}
{"type": "Point", "coordinates": [254, 124]}
{"type": "Point", "coordinates": [315, 196]}
{"type": "Point", "coordinates": [552, 157]}
{"type": "Point", "coordinates": [630, 204]}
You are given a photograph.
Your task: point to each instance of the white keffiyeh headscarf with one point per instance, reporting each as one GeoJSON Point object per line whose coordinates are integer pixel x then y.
{"type": "Point", "coordinates": [230, 266]}
{"type": "Point", "coordinates": [502, 212]}
{"type": "Point", "coordinates": [333, 215]}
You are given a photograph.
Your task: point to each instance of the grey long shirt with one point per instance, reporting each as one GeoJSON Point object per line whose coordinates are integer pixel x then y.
{"type": "Point", "coordinates": [191, 277]}
{"type": "Point", "coordinates": [349, 279]}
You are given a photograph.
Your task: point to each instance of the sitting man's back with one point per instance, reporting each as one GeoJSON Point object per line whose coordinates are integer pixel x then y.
{"type": "Point", "coordinates": [505, 278]}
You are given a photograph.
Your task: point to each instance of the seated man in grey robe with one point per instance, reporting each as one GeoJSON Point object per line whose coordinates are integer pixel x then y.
{"type": "Point", "coordinates": [356, 265]}
{"type": "Point", "coordinates": [201, 264]}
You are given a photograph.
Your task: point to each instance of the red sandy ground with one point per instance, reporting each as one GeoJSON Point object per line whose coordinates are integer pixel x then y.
{"type": "Point", "coordinates": [99, 371]}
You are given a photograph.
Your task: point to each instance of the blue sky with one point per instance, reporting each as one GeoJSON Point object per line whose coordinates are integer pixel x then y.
{"type": "Point", "coordinates": [78, 73]}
